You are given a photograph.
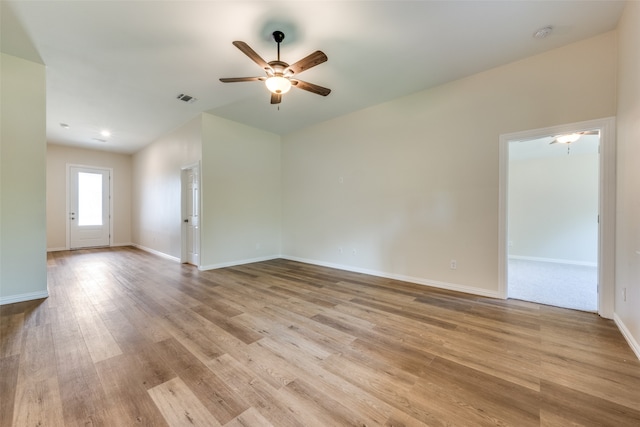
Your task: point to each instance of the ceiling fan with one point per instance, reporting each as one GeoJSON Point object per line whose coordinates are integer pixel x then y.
{"type": "Point", "coordinates": [572, 137]}
{"type": "Point", "coordinates": [280, 75]}
{"type": "Point", "coordinates": [568, 138]}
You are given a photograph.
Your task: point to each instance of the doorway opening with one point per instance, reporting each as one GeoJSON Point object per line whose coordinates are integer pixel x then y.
{"type": "Point", "coordinates": [190, 180]}
{"type": "Point", "coordinates": [553, 220]}
{"type": "Point", "coordinates": [89, 207]}
{"type": "Point", "coordinates": [557, 213]}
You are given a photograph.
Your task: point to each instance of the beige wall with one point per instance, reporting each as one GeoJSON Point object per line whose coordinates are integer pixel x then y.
{"type": "Point", "coordinates": [241, 193]}
{"type": "Point", "coordinates": [240, 190]}
{"type": "Point", "coordinates": [23, 274]}
{"type": "Point", "coordinates": [413, 183]}
{"type": "Point", "coordinates": [627, 313]}
{"type": "Point", "coordinates": [156, 193]}
{"type": "Point", "coordinates": [58, 157]}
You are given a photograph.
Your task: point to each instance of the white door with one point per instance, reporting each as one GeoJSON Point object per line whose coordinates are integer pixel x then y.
{"type": "Point", "coordinates": [191, 216]}
{"type": "Point", "coordinates": [89, 198]}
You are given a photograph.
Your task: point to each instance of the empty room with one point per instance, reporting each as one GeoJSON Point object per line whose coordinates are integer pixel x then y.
{"type": "Point", "coordinates": [320, 213]}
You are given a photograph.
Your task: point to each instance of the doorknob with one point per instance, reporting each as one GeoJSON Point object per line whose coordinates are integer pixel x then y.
{"type": "Point", "coordinates": [186, 220]}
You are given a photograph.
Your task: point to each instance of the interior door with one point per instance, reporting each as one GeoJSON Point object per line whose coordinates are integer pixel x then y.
{"type": "Point", "coordinates": [89, 207]}
{"type": "Point", "coordinates": [191, 219]}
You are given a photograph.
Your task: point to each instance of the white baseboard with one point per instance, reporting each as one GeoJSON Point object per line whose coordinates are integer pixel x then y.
{"type": "Point", "coordinates": [155, 252]}
{"type": "Point", "coordinates": [116, 245]}
{"type": "Point", "coordinates": [113, 245]}
{"type": "Point", "coordinates": [57, 249]}
{"type": "Point", "coordinates": [12, 299]}
{"type": "Point", "coordinates": [237, 262]}
{"type": "Point", "coordinates": [554, 260]}
{"type": "Point", "coordinates": [627, 335]}
{"type": "Point", "coordinates": [417, 280]}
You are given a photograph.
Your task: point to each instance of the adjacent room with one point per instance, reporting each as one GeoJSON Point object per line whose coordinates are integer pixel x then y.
{"type": "Point", "coordinates": [394, 213]}
{"type": "Point", "coordinates": [553, 217]}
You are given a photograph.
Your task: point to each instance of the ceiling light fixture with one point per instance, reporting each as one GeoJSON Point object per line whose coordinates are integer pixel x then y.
{"type": "Point", "coordinates": [569, 138]}
{"type": "Point", "coordinates": [278, 84]}
{"type": "Point", "coordinates": [543, 32]}
{"type": "Point", "coordinates": [280, 75]}
{"type": "Point", "coordinates": [105, 133]}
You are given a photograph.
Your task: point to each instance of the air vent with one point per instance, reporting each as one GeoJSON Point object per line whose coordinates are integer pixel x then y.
{"type": "Point", "coordinates": [543, 32]}
{"type": "Point", "coordinates": [187, 98]}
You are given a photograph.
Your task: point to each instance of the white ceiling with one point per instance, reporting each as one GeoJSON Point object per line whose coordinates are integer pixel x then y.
{"type": "Point", "coordinates": [119, 65]}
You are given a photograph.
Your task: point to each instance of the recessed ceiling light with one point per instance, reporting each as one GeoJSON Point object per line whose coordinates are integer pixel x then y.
{"type": "Point", "coordinates": [64, 126]}
{"type": "Point", "coordinates": [543, 32]}
{"type": "Point", "coordinates": [105, 133]}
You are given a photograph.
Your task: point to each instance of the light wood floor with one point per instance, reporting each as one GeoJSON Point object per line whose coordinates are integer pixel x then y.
{"type": "Point", "coordinates": [127, 338]}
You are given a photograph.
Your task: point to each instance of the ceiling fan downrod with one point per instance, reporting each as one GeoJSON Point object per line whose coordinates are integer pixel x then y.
{"type": "Point", "coordinates": [278, 36]}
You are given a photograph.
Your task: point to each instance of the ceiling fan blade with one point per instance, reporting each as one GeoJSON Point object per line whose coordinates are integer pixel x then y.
{"type": "Point", "coordinates": [252, 54]}
{"type": "Point", "coordinates": [276, 98]}
{"type": "Point", "coordinates": [555, 141]}
{"type": "Point", "coordinates": [316, 58]}
{"type": "Point", "coordinates": [240, 79]}
{"type": "Point", "coordinates": [311, 87]}
{"type": "Point", "coordinates": [590, 132]}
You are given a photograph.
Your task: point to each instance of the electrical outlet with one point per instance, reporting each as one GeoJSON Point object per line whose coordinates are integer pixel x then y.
{"type": "Point", "coordinates": [453, 264]}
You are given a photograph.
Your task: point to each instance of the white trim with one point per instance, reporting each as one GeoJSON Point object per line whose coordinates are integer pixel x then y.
{"type": "Point", "coordinates": [155, 252]}
{"type": "Point", "coordinates": [12, 299]}
{"type": "Point", "coordinates": [607, 225]}
{"type": "Point", "coordinates": [607, 205]}
{"type": "Point", "coordinates": [627, 335]}
{"type": "Point", "coordinates": [238, 262]}
{"type": "Point", "coordinates": [417, 280]}
{"type": "Point", "coordinates": [554, 260]}
{"type": "Point", "coordinates": [503, 236]}
{"type": "Point", "coordinates": [114, 245]}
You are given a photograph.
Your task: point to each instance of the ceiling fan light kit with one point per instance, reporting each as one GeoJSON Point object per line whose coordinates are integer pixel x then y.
{"type": "Point", "coordinates": [568, 139]}
{"type": "Point", "coordinates": [572, 137]}
{"type": "Point", "coordinates": [278, 84]}
{"type": "Point", "coordinates": [279, 79]}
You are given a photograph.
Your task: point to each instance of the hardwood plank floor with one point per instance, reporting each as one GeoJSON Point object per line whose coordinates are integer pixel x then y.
{"type": "Point", "coordinates": [129, 338]}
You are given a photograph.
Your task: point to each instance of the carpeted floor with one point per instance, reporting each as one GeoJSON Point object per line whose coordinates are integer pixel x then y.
{"type": "Point", "coordinates": [561, 285]}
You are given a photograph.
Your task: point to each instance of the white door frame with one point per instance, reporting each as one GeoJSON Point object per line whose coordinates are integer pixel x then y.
{"type": "Point", "coordinates": [606, 208]}
{"type": "Point", "coordinates": [67, 200]}
{"type": "Point", "coordinates": [183, 211]}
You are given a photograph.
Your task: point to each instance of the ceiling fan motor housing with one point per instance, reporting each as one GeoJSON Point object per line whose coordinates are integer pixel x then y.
{"type": "Point", "coordinates": [279, 68]}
